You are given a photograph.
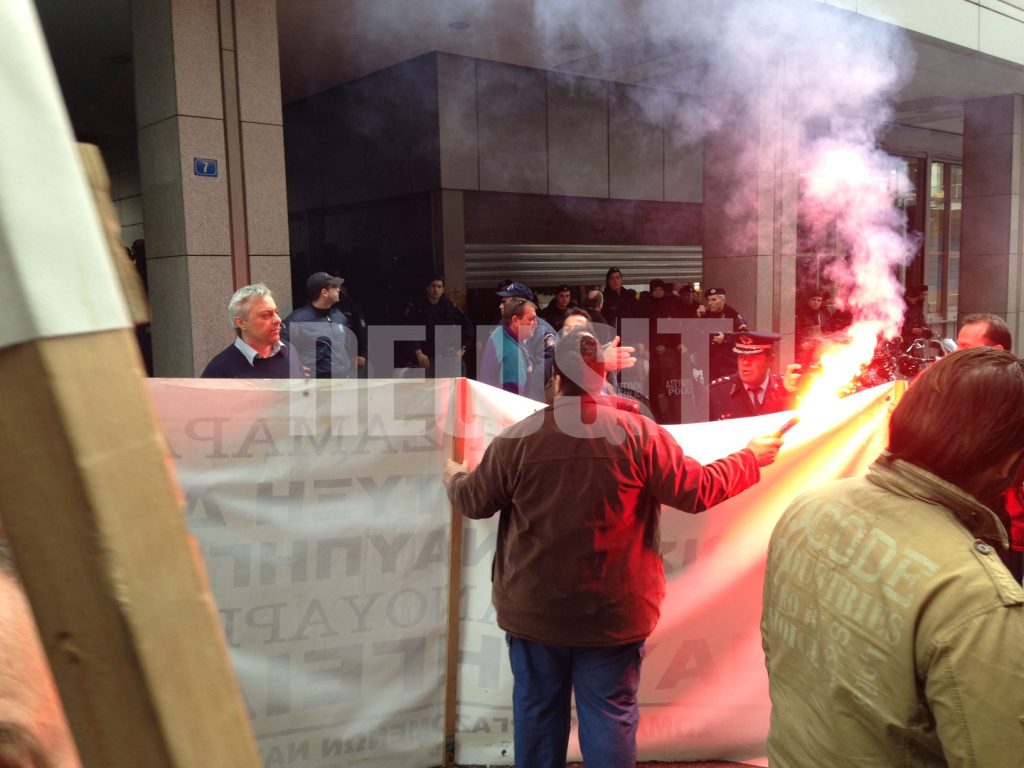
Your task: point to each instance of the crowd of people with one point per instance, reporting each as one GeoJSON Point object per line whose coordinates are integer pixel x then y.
{"type": "Point", "coordinates": [682, 374]}
{"type": "Point", "coordinates": [892, 604]}
{"type": "Point", "coordinates": [889, 622]}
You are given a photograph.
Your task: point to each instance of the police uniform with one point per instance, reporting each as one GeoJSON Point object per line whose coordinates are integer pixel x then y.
{"type": "Point", "coordinates": [729, 398]}
{"type": "Point", "coordinates": [721, 362]}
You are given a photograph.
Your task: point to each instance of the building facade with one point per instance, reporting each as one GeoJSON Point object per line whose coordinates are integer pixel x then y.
{"type": "Point", "coordinates": [669, 142]}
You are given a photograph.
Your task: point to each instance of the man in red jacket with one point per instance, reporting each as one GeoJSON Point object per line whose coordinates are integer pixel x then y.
{"type": "Point", "coordinates": [577, 577]}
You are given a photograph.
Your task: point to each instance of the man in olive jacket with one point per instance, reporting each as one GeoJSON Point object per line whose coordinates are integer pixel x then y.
{"type": "Point", "coordinates": [578, 577]}
{"type": "Point", "coordinates": [893, 634]}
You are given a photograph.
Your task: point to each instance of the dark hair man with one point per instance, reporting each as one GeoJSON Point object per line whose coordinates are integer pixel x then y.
{"type": "Point", "coordinates": [578, 577]}
{"type": "Point", "coordinates": [554, 312]}
{"type": "Point", "coordinates": [319, 331]}
{"type": "Point", "coordinates": [432, 312]}
{"type": "Point", "coordinates": [915, 324]}
{"type": "Point", "coordinates": [813, 323]}
{"type": "Point", "coordinates": [619, 302]}
{"type": "Point", "coordinates": [890, 628]}
{"type": "Point", "coordinates": [689, 303]}
{"type": "Point", "coordinates": [576, 319]}
{"type": "Point", "coordinates": [754, 389]}
{"type": "Point", "coordinates": [258, 352]}
{"type": "Point", "coordinates": [985, 330]}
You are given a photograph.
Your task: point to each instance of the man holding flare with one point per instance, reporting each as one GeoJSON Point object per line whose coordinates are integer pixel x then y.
{"type": "Point", "coordinates": [577, 577]}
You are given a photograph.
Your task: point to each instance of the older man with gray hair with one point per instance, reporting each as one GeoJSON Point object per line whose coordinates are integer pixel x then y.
{"type": "Point", "coordinates": [257, 352]}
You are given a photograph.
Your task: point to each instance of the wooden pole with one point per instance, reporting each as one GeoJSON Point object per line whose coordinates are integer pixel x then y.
{"type": "Point", "coordinates": [89, 502]}
{"type": "Point", "coordinates": [451, 680]}
{"type": "Point", "coordinates": [94, 518]}
{"type": "Point", "coordinates": [127, 275]}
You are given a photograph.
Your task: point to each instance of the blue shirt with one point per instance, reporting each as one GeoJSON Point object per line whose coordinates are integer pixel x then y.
{"type": "Point", "coordinates": [507, 364]}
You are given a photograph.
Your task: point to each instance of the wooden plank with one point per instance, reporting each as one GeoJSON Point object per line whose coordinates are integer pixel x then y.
{"type": "Point", "coordinates": [93, 515]}
{"type": "Point", "coordinates": [127, 275]}
{"type": "Point", "coordinates": [451, 678]}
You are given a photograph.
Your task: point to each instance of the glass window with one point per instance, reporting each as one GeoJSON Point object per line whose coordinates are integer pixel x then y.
{"type": "Point", "coordinates": [936, 231]}
{"type": "Point", "coordinates": [904, 191]}
{"type": "Point", "coordinates": [955, 204]}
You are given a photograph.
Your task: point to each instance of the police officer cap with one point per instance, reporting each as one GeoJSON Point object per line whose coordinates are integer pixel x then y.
{"type": "Point", "coordinates": [751, 343]}
{"type": "Point", "coordinates": [715, 292]}
{"type": "Point", "coordinates": [517, 290]}
{"type": "Point", "coordinates": [320, 280]}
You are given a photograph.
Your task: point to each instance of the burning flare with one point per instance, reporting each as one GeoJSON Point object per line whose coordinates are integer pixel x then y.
{"type": "Point", "coordinates": [840, 364]}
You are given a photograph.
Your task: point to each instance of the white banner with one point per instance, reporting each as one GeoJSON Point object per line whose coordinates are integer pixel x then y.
{"type": "Point", "coordinates": [324, 528]}
{"type": "Point", "coordinates": [704, 692]}
{"type": "Point", "coordinates": [323, 522]}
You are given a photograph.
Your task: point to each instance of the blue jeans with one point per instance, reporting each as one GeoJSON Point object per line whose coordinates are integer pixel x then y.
{"type": "Point", "coordinates": [605, 681]}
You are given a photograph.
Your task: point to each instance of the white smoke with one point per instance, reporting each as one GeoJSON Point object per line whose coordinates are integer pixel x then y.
{"type": "Point", "coordinates": [832, 74]}
{"type": "Point", "coordinates": [798, 68]}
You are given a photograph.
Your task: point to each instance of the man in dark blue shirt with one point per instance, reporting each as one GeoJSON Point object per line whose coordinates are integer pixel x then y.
{"type": "Point", "coordinates": [258, 352]}
{"type": "Point", "coordinates": [319, 331]}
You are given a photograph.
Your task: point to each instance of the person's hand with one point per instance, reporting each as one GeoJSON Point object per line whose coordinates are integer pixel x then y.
{"type": "Point", "coordinates": [765, 449]}
{"type": "Point", "coordinates": [701, 309]}
{"type": "Point", "coordinates": [616, 358]}
{"type": "Point", "coordinates": [718, 338]}
{"type": "Point", "coordinates": [791, 378]}
{"type": "Point", "coordinates": [453, 468]}
{"type": "Point", "coordinates": [360, 362]}
{"type": "Point", "coordinates": [422, 360]}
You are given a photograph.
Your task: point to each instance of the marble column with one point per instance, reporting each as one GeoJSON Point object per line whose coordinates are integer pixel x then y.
{"type": "Point", "coordinates": [207, 88]}
{"type": "Point", "coordinates": [750, 213]}
{"type": "Point", "coordinates": [991, 247]}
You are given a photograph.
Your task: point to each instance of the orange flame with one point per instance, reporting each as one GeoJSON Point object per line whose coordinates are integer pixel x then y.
{"type": "Point", "coordinates": [840, 363]}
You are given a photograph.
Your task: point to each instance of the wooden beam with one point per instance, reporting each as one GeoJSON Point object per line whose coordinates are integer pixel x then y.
{"type": "Point", "coordinates": [127, 274]}
{"type": "Point", "coordinates": [460, 408]}
{"type": "Point", "coordinates": [93, 515]}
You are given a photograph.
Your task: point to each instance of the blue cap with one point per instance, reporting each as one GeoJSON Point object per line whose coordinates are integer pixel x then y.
{"type": "Point", "coordinates": [517, 290]}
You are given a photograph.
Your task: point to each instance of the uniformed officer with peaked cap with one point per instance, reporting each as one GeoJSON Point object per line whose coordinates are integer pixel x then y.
{"type": "Point", "coordinates": [754, 389]}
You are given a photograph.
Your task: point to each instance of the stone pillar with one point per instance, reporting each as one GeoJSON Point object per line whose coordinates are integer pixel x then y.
{"type": "Point", "coordinates": [207, 87]}
{"type": "Point", "coordinates": [992, 232]}
{"type": "Point", "coordinates": [450, 242]}
{"type": "Point", "coordinates": [750, 214]}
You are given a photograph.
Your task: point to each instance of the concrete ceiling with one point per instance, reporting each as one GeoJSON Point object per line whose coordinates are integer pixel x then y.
{"type": "Point", "coordinates": [324, 43]}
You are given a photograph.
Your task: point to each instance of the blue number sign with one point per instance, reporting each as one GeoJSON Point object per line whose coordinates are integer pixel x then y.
{"type": "Point", "coordinates": [204, 166]}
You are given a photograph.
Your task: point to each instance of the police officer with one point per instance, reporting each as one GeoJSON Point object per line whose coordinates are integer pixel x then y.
{"type": "Point", "coordinates": [722, 363]}
{"type": "Point", "coordinates": [754, 389]}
